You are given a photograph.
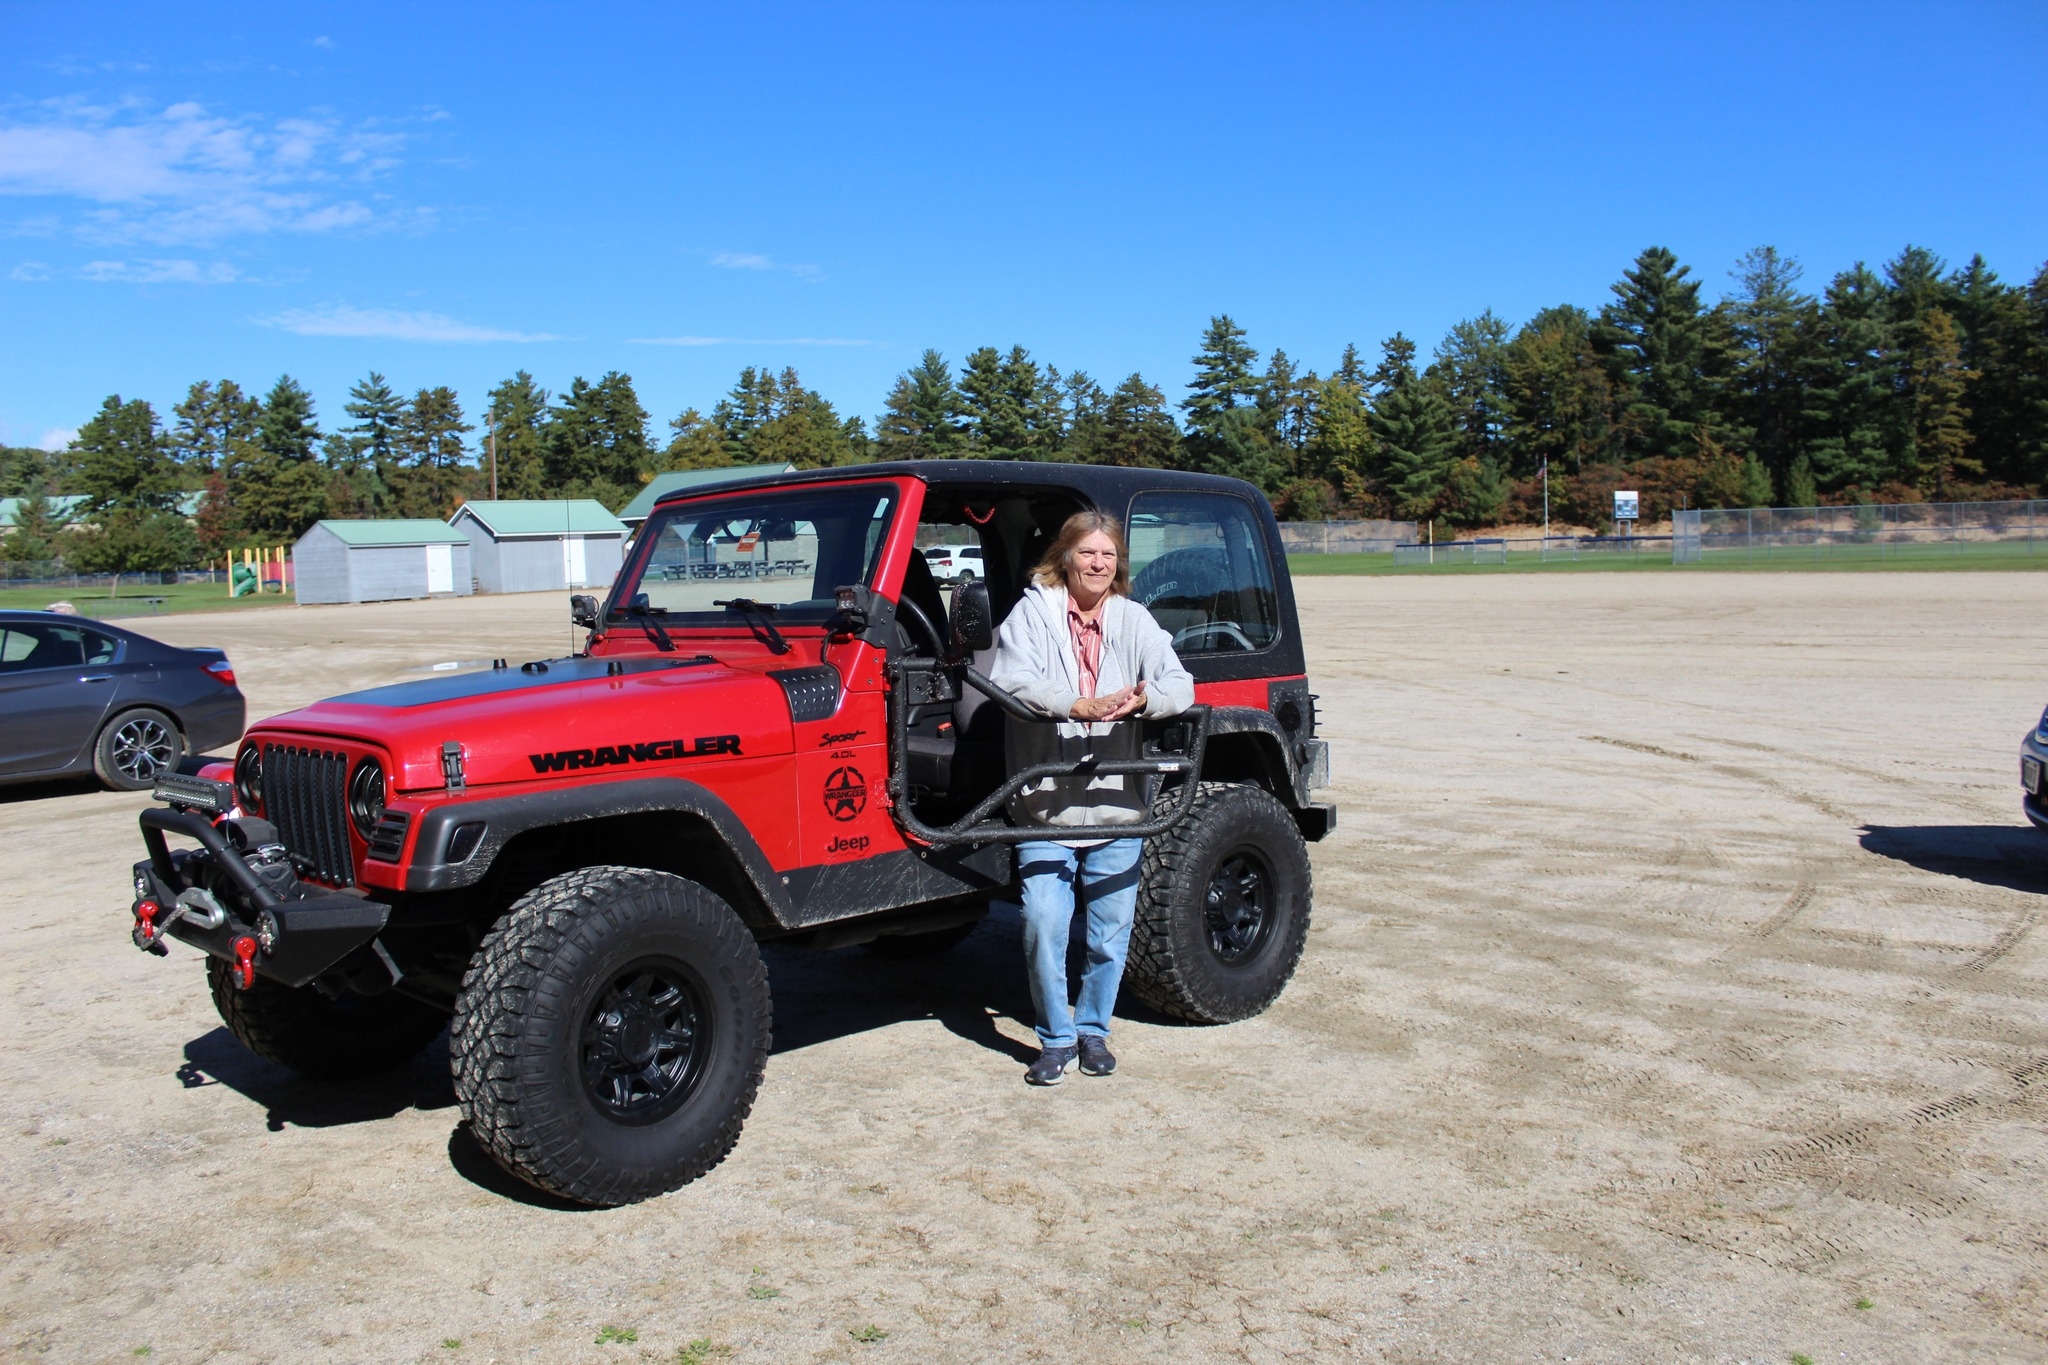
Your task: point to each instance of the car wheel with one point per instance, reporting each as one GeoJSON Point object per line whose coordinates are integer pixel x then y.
{"type": "Point", "coordinates": [134, 747]}
{"type": "Point", "coordinates": [966, 577]}
{"type": "Point", "coordinates": [1223, 908]}
{"type": "Point", "coordinates": [611, 1034]}
{"type": "Point", "coordinates": [328, 1040]}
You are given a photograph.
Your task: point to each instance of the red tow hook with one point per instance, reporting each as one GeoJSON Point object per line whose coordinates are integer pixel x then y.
{"type": "Point", "coordinates": [243, 968]}
{"type": "Point", "coordinates": [147, 936]}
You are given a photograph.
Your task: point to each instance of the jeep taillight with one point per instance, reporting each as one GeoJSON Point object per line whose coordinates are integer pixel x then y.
{"type": "Point", "coordinates": [223, 672]}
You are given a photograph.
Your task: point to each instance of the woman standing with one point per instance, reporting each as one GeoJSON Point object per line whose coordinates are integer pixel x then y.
{"type": "Point", "coordinates": [1077, 648]}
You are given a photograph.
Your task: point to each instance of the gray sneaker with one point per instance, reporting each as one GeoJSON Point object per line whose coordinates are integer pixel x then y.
{"type": "Point", "coordinates": [1096, 1058]}
{"type": "Point", "coordinates": [1051, 1066]}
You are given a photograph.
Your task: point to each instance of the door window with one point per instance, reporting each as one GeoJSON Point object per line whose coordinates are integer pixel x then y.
{"type": "Point", "coordinates": [36, 644]}
{"type": "Point", "coordinates": [1198, 563]}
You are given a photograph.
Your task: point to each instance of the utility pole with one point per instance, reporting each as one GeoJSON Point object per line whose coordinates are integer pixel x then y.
{"type": "Point", "coordinates": [1546, 502]}
{"type": "Point", "coordinates": [491, 427]}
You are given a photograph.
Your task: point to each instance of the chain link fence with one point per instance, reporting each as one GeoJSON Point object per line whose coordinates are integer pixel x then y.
{"type": "Point", "coordinates": [1877, 532]}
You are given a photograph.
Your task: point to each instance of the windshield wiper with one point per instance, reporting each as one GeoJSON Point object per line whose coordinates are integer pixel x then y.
{"type": "Point", "coordinates": [645, 616]}
{"type": "Point", "coordinates": [765, 612]}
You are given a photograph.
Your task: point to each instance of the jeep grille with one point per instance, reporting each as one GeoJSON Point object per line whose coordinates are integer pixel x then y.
{"type": "Point", "coordinates": [305, 796]}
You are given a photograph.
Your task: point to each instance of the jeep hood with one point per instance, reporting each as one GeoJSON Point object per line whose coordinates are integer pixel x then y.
{"type": "Point", "coordinates": [639, 715]}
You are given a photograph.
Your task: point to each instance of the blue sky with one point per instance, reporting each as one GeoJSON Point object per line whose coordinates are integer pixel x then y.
{"type": "Point", "coordinates": [449, 193]}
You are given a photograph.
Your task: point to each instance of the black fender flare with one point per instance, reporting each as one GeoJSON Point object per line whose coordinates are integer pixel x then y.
{"type": "Point", "coordinates": [505, 818]}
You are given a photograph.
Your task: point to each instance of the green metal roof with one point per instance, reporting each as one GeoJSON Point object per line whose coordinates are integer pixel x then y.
{"type": "Point", "coordinates": [61, 508]}
{"type": "Point", "coordinates": [664, 484]}
{"type": "Point", "coordinates": [543, 516]}
{"type": "Point", "coordinates": [398, 531]}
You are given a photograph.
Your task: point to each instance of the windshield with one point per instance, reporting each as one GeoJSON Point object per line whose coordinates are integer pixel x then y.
{"type": "Point", "coordinates": [791, 550]}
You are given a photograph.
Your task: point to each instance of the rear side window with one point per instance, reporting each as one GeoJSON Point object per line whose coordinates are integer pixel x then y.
{"type": "Point", "coordinates": [1198, 563]}
{"type": "Point", "coordinates": [36, 644]}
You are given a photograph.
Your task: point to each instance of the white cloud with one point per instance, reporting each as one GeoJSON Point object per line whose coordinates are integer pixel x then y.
{"type": "Point", "coordinates": [182, 174]}
{"type": "Point", "coordinates": [160, 272]}
{"type": "Point", "coordinates": [746, 341]}
{"type": "Point", "coordinates": [30, 271]}
{"type": "Point", "coordinates": [749, 260]}
{"type": "Point", "coordinates": [58, 437]}
{"type": "Point", "coordinates": [340, 320]}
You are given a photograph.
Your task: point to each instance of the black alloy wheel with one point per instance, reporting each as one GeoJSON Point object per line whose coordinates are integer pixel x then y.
{"type": "Point", "coordinates": [135, 747]}
{"type": "Point", "coordinates": [645, 1041]}
{"type": "Point", "coordinates": [1223, 907]}
{"type": "Point", "coordinates": [1237, 907]}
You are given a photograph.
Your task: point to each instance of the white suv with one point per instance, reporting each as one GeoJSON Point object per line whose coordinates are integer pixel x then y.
{"type": "Point", "coordinates": [955, 563]}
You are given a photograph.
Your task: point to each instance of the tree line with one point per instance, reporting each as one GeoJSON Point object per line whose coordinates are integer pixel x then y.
{"type": "Point", "coordinates": [1914, 382]}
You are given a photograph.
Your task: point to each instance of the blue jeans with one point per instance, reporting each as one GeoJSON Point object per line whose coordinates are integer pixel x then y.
{"type": "Point", "coordinates": [1109, 873]}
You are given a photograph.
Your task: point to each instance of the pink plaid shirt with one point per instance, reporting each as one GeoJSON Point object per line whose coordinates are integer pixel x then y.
{"type": "Point", "coordinates": [1087, 649]}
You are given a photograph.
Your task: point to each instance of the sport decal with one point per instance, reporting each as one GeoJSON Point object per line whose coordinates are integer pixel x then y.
{"type": "Point", "coordinates": [846, 793]}
{"type": "Point", "coordinates": [653, 751]}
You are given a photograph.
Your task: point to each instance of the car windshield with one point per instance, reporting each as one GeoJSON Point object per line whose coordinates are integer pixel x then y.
{"type": "Point", "coordinates": [789, 549]}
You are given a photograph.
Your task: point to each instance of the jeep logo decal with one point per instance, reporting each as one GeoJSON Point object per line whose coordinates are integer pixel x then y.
{"type": "Point", "coordinates": [846, 793]}
{"type": "Point", "coordinates": [653, 751]}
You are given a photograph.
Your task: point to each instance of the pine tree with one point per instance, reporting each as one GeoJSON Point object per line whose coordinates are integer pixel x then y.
{"type": "Point", "coordinates": [1350, 368]}
{"type": "Point", "coordinates": [278, 485]}
{"type": "Point", "coordinates": [121, 459]}
{"type": "Point", "coordinates": [696, 444]}
{"type": "Point", "coordinates": [1770, 320]}
{"type": "Point", "coordinates": [1339, 450]}
{"type": "Point", "coordinates": [1472, 363]}
{"type": "Point", "coordinates": [923, 416]}
{"type": "Point", "coordinates": [1993, 319]}
{"type": "Point", "coordinates": [1137, 430]}
{"type": "Point", "coordinates": [774, 419]}
{"type": "Point", "coordinates": [437, 472]}
{"type": "Point", "coordinates": [518, 410]}
{"type": "Point", "coordinates": [1854, 440]}
{"type": "Point", "coordinates": [379, 415]}
{"type": "Point", "coordinates": [595, 442]}
{"type": "Point", "coordinates": [1285, 401]}
{"type": "Point", "coordinates": [1397, 365]}
{"type": "Point", "coordinates": [1010, 405]}
{"type": "Point", "coordinates": [208, 423]}
{"type": "Point", "coordinates": [1223, 378]}
{"type": "Point", "coordinates": [1413, 433]}
{"type": "Point", "coordinates": [1560, 403]}
{"type": "Point", "coordinates": [1936, 380]}
{"type": "Point", "coordinates": [1653, 337]}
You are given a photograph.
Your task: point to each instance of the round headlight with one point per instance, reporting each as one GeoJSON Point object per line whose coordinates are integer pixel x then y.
{"type": "Point", "coordinates": [249, 780]}
{"type": "Point", "coordinates": [366, 796]}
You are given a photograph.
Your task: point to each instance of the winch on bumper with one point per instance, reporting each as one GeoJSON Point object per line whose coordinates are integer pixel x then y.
{"type": "Point", "coordinates": [237, 896]}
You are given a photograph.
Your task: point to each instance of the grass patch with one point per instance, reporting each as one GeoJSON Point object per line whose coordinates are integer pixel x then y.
{"type": "Point", "coordinates": [869, 1333]}
{"type": "Point", "coordinates": [1800, 1359]}
{"type": "Point", "coordinates": [1866, 1304]}
{"type": "Point", "coordinates": [701, 1352]}
{"type": "Point", "coordinates": [129, 603]}
{"type": "Point", "coordinates": [617, 1335]}
{"type": "Point", "coordinates": [2000, 557]}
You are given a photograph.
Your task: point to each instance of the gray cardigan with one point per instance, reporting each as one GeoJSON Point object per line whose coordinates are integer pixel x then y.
{"type": "Point", "coordinates": [1035, 660]}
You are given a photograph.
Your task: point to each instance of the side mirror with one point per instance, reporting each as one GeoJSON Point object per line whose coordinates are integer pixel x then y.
{"type": "Point", "coordinates": [971, 620]}
{"type": "Point", "coordinates": [583, 611]}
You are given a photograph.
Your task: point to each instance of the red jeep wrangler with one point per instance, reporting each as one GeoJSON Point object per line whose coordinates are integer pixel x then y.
{"type": "Point", "coordinates": [778, 729]}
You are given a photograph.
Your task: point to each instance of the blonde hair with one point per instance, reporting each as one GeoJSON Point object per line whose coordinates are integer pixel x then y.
{"type": "Point", "coordinates": [1051, 571]}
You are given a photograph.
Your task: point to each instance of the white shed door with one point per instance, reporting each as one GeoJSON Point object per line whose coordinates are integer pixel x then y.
{"type": "Point", "coordinates": [440, 568]}
{"type": "Point", "coordinates": [573, 571]}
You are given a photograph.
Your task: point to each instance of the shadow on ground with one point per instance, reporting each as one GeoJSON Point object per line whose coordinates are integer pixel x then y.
{"type": "Point", "coordinates": [292, 1101]}
{"type": "Point", "coordinates": [2011, 856]}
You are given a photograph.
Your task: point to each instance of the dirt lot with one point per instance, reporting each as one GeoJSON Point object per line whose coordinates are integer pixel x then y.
{"type": "Point", "coordinates": [1676, 993]}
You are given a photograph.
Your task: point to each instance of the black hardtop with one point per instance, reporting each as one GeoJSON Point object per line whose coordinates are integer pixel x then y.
{"type": "Point", "coordinates": [1109, 487]}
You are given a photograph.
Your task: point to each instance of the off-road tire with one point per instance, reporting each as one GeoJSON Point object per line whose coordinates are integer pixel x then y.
{"type": "Point", "coordinates": [141, 723]}
{"type": "Point", "coordinates": [528, 1015]}
{"type": "Point", "coordinates": [1173, 966]}
{"type": "Point", "coordinates": [329, 1040]}
{"type": "Point", "coordinates": [921, 945]}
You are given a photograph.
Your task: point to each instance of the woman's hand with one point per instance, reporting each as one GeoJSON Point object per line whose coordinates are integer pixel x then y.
{"type": "Point", "coordinates": [1125, 701]}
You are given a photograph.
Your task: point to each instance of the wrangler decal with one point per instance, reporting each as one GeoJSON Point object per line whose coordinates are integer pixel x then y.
{"type": "Point", "coordinates": [652, 751]}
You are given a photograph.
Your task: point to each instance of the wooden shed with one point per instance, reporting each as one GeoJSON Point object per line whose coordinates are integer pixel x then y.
{"type": "Point", "coordinates": [541, 545]}
{"type": "Point", "coordinates": [381, 561]}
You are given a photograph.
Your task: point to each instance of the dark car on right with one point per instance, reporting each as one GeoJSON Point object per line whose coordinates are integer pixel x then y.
{"type": "Point", "coordinates": [80, 696]}
{"type": "Point", "coordinates": [2034, 774]}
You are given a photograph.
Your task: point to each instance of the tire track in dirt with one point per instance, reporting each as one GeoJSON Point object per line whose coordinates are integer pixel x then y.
{"type": "Point", "coordinates": [2003, 944]}
{"type": "Point", "coordinates": [1819, 1159]}
{"type": "Point", "coordinates": [1794, 906]}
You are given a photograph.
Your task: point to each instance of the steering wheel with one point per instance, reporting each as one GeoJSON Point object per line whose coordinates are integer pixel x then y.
{"type": "Point", "coordinates": [924, 624]}
{"type": "Point", "coordinates": [1228, 630]}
